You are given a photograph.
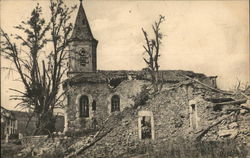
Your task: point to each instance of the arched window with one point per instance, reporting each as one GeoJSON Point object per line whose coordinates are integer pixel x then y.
{"type": "Point", "coordinates": [84, 106]}
{"type": "Point", "coordinates": [115, 103]}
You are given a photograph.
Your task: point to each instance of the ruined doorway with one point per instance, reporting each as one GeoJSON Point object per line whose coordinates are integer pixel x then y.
{"type": "Point", "coordinates": [146, 125]}
{"type": "Point", "coordinates": [193, 114]}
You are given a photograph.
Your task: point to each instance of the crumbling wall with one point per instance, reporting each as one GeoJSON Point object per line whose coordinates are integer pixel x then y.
{"type": "Point", "coordinates": [98, 88]}
{"type": "Point", "coordinates": [171, 120]}
{"type": "Point", "coordinates": [171, 112]}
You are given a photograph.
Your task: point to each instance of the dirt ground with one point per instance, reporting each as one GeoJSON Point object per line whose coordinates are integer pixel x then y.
{"type": "Point", "coordinates": [9, 150]}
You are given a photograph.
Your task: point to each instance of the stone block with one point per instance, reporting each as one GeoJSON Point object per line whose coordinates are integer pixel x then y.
{"type": "Point", "coordinates": [231, 132]}
{"type": "Point", "coordinates": [243, 111]}
{"type": "Point", "coordinates": [233, 125]}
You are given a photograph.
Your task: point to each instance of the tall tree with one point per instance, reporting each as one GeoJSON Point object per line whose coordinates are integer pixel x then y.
{"type": "Point", "coordinates": [152, 49]}
{"type": "Point", "coordinates": [40, 73]}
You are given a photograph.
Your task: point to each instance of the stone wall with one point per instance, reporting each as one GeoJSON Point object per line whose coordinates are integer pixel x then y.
{"type": "Point", "coordinates": [172, 112]}
{"type": "Point", "coordinates": [101, 93]}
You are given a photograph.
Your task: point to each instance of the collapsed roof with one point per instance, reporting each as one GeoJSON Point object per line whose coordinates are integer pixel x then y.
{"type": "Point", "coordinates": [170, 76]}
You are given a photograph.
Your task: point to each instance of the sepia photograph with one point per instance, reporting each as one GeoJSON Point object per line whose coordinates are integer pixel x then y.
{"type": "Point", "coordinates": [125, 78]}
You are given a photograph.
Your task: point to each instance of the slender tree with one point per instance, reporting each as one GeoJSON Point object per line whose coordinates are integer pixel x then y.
{"type": "Point", "coordinates": [152, 49]}
{"type": "Point", "coordinates": [40, 71]}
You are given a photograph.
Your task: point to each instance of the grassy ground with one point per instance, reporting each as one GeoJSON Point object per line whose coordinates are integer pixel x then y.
{"type": "Point", "coordinates": [227, 149]}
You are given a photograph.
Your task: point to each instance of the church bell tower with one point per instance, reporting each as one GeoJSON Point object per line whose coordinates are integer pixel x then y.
{"type": "Point", "coordinates": [82, 50]}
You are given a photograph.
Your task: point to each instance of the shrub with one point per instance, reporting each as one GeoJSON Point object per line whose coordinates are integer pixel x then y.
{"type": "Point", "coordinates": [141, 98]}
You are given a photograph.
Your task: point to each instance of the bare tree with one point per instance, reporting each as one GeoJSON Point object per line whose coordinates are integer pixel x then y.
{"type": "Point", "coordinates": [152, 49]}
{"type": "Point", "coordinates": [40, 73]}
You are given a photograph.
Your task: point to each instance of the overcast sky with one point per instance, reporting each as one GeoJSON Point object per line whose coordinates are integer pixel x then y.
{"type": "Point", "coordinates": [208, 37]}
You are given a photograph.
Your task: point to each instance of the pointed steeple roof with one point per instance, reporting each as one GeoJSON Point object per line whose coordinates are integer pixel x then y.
{"type": "Point", "coordinates": [82, 29]}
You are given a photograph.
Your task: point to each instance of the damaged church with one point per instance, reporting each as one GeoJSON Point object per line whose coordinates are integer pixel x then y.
{"type": "Point", "coordinates": [188, 102]}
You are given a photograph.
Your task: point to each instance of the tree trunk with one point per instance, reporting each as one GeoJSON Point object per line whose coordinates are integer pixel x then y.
{"type": "Point", "coordinates": [45, 124]}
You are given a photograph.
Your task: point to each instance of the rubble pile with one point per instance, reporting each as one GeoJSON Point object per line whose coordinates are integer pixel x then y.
{"type": "Point", "coordinates": [118, 139]}
{"type": "Point", "coordinates": [50, 146]}
{"type": "Point", "coordinates": [237, 126]}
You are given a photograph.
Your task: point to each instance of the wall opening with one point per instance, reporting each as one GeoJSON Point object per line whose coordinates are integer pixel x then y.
{"type": "Point", "coordinates": [114, 82]}
{"type": "Point", "coordinates": [84, 106]}
{"type": "Point", "coordinates": [94, 105]}
{"type": "Point", "coordinates": [193, 114]}
{"type": "Point", "coordinates": [115, 103]}
{"type": "Point", "coordinates": [146, 125]}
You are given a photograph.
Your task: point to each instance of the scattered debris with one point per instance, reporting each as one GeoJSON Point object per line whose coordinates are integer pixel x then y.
{"type": "Point", "coordinates": [203, 132]}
